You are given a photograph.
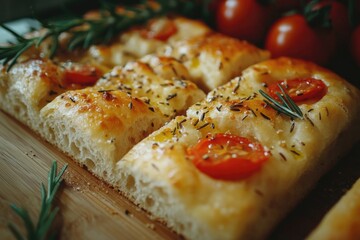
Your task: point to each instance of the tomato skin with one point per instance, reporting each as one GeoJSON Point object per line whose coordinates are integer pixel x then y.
{"type": "Point", "coordinates": [82, 74]}
{"type": "Point", "coordinates": [292, 36]}
{"type": "Point", "coordinates": [214, 5]}
{"type": "Point", "coordinates": [228, 157]}
{"type": "Point", "coordinates": [355, 45]}
{"type": "Point", "coordinates": [243, 19]}
{"type": "Point", "coordinates": [299, 89]}
{"type": "Point", "coordinates": [161, 30]}
{"type": "Point", "coordinates": [285, 5]}
{"type": "Point", "coordinates": [339, 19]}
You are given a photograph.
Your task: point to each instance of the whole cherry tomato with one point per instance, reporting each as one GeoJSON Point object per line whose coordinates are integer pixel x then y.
{"type": "Point", "coordinates": [339, 18]}
{"type": "Point", "coordinates": [299, 89]}
{"type": "Point", "coordinates": [355, 45]}
{"type": "Point", "coordinates": [292, 36]}
{"type": "Point", "coordinates": [83, 74]}
{"type": "Point", "coordinates": [243, 19]}
{"type": "Point", "coordinates": [214, 5]}
{"type": "Point", "coordinates": [228, 157]}
{"type": "Point", "coordinates": [285, 5]}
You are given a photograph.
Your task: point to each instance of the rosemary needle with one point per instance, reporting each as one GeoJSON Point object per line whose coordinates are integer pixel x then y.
{"type": "Point", "coordinates": [47, 213]}
{"type": "Point", "coordinates": [287, 106]}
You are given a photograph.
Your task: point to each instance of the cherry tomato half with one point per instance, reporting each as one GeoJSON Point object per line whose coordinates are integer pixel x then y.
{"type": "Point", "coordinates": [83, 74]}
{"type": "Point", "coordinates": [161, 29]}
{"type": "Point", "coordinates": [299, 89]}
{"type": "Point", "coordinates": [243, 19]}
{"type": "Point", "coordinates": [292, 36]}
{"type": "Point", "coordinates": [228, 157]}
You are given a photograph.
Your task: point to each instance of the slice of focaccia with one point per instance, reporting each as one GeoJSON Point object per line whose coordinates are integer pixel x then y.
{"type": "Point", "coordinates": [213, 59]}
{"type": "Point", "coordinates": [235, 166]}
{"type": "Point", "coordinates": [98, 125]}
{"type": "Point", "coordinates": [28, 87]}
{"type": "Point", "coordinates": [342, 221]}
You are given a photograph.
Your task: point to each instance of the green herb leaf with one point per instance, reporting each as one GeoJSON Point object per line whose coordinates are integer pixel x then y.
{"type": "Point", "coordinates": [319, 17]}
{"type": "Point", "coordinates": [47, 213]}
{"type": "Point", "coordinates": [287, 106]}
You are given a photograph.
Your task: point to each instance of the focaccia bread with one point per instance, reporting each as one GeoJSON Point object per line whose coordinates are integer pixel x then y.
{"type": "Point", "coordinates": [342, 222]}
{"type": "Point", "coordinates": [96, 126]}
{"type": "Point", "coordinates": [163, 174]}
{"type": "Point", "coordinates": [213, 59]}
{"type": "Point", "coordinates": [28, 87]}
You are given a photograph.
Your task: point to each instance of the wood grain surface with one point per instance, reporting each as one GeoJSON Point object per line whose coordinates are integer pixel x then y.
{"type": "Point", "coordinates": [90, 209]}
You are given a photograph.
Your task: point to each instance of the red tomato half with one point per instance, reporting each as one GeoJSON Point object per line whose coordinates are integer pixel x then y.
{"type": "Point", "coordinates": [83, 74]}
{"type": "Point", "coordinates": [228, 157]}
{"type": "Point", "coordinates": [243, 19]}
{"type": "Point", "coordinates": [292, 36]}
{"type": "Point", "coordinates": [299, 89]}
{"type": "Point", "coordinates": [160, 29]}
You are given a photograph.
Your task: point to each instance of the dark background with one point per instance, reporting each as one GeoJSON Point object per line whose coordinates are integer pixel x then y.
{"type": "Point", "coordinates": [13, 9]}
{"type": "Point", "coordinates": [42, 9]}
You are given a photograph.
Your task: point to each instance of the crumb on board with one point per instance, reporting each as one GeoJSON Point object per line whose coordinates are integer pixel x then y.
{"type": "Point", "coordinates": [150, 225]}
{"type": "Point", "coordinates": [127, 212]}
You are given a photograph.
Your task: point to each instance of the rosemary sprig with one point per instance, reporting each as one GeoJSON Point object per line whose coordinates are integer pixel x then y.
{"type": "Point", "coordinates": [287, 106]}
{"type": "Point", "coordinates": [47, 214]}
{"type": "Point", "coordinates": [319, 17]}
{"type": "Point", "coordinates": [12, 53]}
{"type": "Point", "coordinates": [86, 32]}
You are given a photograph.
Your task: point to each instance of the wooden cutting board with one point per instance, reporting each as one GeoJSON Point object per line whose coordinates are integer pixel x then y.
{"type": "Point", "coordinates": [91, 209]}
